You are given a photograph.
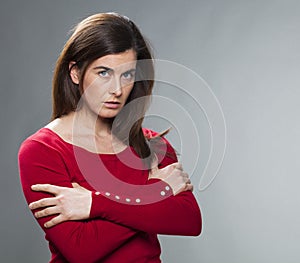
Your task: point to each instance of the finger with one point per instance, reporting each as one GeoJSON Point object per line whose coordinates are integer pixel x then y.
{"type": "Point", "coordinates": [47, 212]}
{"type": "Point", "coordinates": [173, 165]}
{"type": "Point", "coordinates": [154, 169]}
{"type": "Point", "coordinates": [75, 185]}
{"type": "Point", "coordinates": [43, 203]}
{"type": "Point", "coordinates": [153, 172]}
{"type": "Point", "coordinates": [183, 188]}
{"type": "Point", "coordinates": [187, 181]}
{"type": "Point", "coordinates": [54, 221]}
{"type": "Point", "coordinates": [78, 186]}
{"type": "Point", "coordinates": [49, 188]}
{"type": "Point", "coordinates": [178, 166]}
{"type": "Point", "coordinates": [189, 187]}
{"type": "Point", "coordinates": [186, 175]}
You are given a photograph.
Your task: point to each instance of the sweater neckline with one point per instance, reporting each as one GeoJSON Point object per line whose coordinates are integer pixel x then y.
{"type": "Point", "coordinates": [82, 148]}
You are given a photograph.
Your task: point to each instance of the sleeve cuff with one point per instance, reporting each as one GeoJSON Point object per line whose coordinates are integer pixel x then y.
{"type": "Point", "coordinates": [154, 191]}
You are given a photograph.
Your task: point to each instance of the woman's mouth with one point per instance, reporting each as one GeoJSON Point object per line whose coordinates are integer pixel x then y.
{"type": "Point", "coordinates": [112, 104]}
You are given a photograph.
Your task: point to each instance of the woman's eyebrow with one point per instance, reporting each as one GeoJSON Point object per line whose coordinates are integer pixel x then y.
{"type": "Point", "coordinates": [110, 69]}
{"type": "Point", "coordinates": [105, 68]}
{"type": "Point", "coordinates": [130, 70]}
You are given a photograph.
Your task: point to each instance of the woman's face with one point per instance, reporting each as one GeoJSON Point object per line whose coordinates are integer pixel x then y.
{"type": "Point", "coordinates": [108, 82]}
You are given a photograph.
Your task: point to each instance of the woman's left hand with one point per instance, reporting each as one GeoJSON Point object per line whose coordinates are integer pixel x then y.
{"type": "Point", "coordinates": [68, 203]}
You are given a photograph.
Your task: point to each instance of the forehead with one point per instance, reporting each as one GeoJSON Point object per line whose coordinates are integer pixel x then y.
{"type": "Point", "coordinates": [114, 61]}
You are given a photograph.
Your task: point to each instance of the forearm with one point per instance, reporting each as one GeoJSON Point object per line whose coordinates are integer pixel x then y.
{"type": "Point", "coordinates": [78, 241]}
{"type": "Point", "coordinates": [175, 215]}
{"type": "Point", "coordinates": [83, 241]}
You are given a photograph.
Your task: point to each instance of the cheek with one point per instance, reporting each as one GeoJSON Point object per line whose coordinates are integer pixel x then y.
{"type": "Point", "coordinates": [93, 85]}
{"type": "Point", "coordinates": [94, 92]}
{"type": "Point", "coordinates": [128, 90]}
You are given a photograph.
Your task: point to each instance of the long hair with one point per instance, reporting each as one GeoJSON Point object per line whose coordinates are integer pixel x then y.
{"type": "Point", "coordinates": [94, 37]}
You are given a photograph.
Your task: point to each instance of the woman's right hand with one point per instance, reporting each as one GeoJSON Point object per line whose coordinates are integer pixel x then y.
{"type": "Point", "coordinates": [67, 203]}
{"type": "Point", "coordinates": [174, 176]}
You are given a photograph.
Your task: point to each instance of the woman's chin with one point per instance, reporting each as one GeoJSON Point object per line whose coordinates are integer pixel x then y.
{"type": "Point", "coordinates": [108, 114]}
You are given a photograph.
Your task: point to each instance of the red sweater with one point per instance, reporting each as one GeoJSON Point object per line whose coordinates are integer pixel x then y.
{"type": "Point", "coordinates": [115, 232]}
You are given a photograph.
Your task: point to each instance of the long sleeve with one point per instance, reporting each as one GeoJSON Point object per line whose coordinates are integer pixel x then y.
{"type": "Point", "coordinates": [78, 241]}
{"type": "Point", "coordinates": [174, 215]}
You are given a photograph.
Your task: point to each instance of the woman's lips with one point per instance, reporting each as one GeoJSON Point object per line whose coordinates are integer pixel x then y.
{"type": "Point", "coordinates": [112, 104]}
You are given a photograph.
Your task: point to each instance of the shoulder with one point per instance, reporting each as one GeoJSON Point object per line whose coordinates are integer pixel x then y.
{"type": "Point", "coordinates": [50, 136]}
{"type": "Point", "coordinates": [43, 141]}
{"type": "Point", "coordinates": [43, 136]}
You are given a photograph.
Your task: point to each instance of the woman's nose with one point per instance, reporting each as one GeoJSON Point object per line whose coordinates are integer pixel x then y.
{"type": "Point", "coordinates": [116, 88]}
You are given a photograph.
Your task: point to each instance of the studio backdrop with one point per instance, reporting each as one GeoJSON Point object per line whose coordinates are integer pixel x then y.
{"type": "Point", "coordinates": [228, 85]}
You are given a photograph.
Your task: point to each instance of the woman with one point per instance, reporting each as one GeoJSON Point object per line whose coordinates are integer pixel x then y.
{"type": "Point", "coordinates": [92, 205]}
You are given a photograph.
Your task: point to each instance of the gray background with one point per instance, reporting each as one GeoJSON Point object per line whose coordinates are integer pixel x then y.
{"type": "Point", "coordinates": [248, 52]}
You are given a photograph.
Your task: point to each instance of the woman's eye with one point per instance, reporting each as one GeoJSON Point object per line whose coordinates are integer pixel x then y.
{"type": "Point", "coordinates": [128, 75]}
{"type": "Point", "coordinates": [104, 73]}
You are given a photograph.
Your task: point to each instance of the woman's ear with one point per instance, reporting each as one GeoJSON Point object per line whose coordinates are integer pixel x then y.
{"type": "Point", "coordinates": [74, 72]}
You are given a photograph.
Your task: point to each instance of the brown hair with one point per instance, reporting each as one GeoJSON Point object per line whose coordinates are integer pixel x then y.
{"type": "Point", "coordinates": [94, 37]}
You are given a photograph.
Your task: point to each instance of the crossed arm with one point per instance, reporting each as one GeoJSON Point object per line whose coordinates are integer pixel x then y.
{"type": "Point", "coordinates": [104, 224]}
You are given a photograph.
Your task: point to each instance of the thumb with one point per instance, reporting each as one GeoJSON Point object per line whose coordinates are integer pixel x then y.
{"type": "Point", "coordinates": [154, 170]}
{"type": "Point", "coordinates": [177, 165]}
{"type": "Point", "coordinates": [75, 185]}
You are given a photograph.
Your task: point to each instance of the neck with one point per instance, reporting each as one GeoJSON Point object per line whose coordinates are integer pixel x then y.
{"type": "Point", "coordinates": [87, 122]}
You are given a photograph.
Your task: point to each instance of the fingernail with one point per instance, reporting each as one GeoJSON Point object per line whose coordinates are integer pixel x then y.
{"type": "Point", "coordinates": [45, 225]}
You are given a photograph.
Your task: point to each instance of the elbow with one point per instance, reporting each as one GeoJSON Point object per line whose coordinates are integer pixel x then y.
{"type": "Point", "coordinates": [196, 225]}
{"type": "Point", "coordinates": [192, 229]}
{"type": "Point", "coordinates": [193, 221]}
{"type": "Point", "coordinates": [197, 230]}
{"type": "Point", "coordinates": [79, 256]}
